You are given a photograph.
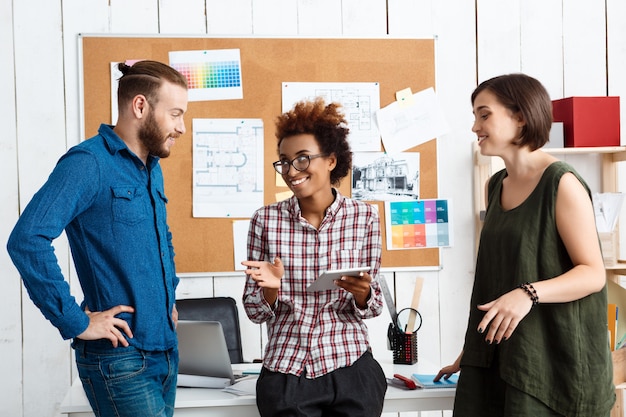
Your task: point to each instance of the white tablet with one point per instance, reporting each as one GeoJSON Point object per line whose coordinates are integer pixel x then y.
{"type": "Point", "coordinates": [326, 281]}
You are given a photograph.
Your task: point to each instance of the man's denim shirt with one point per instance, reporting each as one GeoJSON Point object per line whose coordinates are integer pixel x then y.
{"type": "Point", "coordinates": [113, 210]}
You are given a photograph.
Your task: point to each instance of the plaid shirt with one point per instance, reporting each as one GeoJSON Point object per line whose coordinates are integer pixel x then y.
{"type": "Point", "coordinates": [322, 331]}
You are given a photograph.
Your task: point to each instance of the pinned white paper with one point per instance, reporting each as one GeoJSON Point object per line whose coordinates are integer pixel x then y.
{"type": "Point", "coordinates": [404, 126]}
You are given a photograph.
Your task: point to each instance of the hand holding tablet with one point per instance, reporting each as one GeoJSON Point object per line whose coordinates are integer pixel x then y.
{"type": "Point", "coordinates": [326, 281]}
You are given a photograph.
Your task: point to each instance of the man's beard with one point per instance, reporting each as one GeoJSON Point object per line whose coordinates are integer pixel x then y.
{"type": "Point", "coordinates": [152, 138]}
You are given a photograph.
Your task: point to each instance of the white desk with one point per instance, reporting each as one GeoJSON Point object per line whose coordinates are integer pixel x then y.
{"type": "Point", "coordinates": [215, 402]}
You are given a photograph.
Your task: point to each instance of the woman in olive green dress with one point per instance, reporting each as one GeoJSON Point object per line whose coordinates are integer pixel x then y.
{"type": "Point", "coordinates": [536, 343]}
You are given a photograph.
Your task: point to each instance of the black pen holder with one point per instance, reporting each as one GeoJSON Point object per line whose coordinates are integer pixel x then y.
{"type": "Point", "coordinates": [404, 345]}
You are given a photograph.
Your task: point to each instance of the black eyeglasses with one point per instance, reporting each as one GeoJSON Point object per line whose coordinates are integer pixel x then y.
{"type": "Point", "coordinates": [300, 163]}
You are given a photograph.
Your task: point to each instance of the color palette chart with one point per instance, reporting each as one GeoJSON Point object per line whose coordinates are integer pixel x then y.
{"type": "Point", "coordinates": [418, 224]}
{"type": "Point", "coordinates": [211, 75]}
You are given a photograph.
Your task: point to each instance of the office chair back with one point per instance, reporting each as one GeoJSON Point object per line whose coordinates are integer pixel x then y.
{"type": "Point", "coordinates": [222, 309]}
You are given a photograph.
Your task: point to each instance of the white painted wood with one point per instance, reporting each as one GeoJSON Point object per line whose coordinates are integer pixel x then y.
{"type": "Point", "coordinates": [319, 18]}
{"type": "Point", "coordinates": [10, 301]}
{"type": "Point", "coordinates": [41, 129]}
{"type": "Point", "coordinates": [616, 68]}
{"type": "Point", "coordinates": [364, 17]}
{"type": "Point", "coordinates": [195, 287]}
{"type": "Point", "coordinates": [232, 17]}
{"type": "Point", "coordinates": [498, 37]}
{"type": "Point", "coordinates": [542, 43]}
{"type": "Point", "coordinates": [137, 16]}
{"type": "Point", "coordinates": [411, 18]}
{"type": "Point", "coordinates": [616, 59]}
{"type": "Point", "coordinates": [41, 143]}
{"type": "Point", "coordinates": [456, 78]}
{"type": "Point", "coordinates": [584, 48]}
{"type": "Point", "coordinates": [584, 74]}
{"type": "Point", "coordinates": [275, 17]}
{"type": "Point", "coordinates": [187, 17]}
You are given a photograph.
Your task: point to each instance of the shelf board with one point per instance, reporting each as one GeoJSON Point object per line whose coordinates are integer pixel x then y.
{"type": "Point", "coordinates": [618, 152]}
{"type": "Point", "coordinates": [621, 265]}
{"type": "Point", "coordinates": [587, 150]}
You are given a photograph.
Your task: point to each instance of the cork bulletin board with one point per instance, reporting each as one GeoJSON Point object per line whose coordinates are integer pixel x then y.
{"type": "Point", "coordinates": [206, 244]}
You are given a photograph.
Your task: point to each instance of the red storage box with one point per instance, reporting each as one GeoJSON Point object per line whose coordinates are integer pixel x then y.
{"type": "Point", "coordinates": [588, 121]}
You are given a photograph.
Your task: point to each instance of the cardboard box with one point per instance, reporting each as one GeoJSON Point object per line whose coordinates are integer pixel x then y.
{"type": "Point", "coordinates": [588, 121]}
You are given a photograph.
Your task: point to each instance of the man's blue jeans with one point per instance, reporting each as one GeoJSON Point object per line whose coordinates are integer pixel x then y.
{"type": "Point", "coordinates": [126, 381]}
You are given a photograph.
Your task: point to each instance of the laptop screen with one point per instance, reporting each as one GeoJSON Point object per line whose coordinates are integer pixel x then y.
{"type": "Point", "coordinates": [203, 352]}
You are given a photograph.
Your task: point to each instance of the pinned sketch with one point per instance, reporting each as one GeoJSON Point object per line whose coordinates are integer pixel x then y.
{"type": "Point", "coordinates": [360, 102]}
{"type": "Point", "coordinates": [377, 176]}
{"type": "Point", "coordinates": [227, 167]}
{"type": "Point", "coordinates": [211, 74]}
{"type": "Point", "coordinates": [407, 123]}
{"type": "Point", "coordinates": [418, 224]}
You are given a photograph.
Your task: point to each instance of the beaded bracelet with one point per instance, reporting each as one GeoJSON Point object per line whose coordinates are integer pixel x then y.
{"type": "Point", "coordinates": [532, 293]}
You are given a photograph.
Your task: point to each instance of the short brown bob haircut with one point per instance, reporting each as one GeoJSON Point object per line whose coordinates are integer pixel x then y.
{"type": "Point", "coordinates": [526, 96]}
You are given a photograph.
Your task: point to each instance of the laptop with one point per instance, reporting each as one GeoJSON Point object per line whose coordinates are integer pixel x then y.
{"type": "Point", "coordinates": [203, 355]}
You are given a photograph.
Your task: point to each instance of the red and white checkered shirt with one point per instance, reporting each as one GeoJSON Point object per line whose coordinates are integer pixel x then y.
{"type": "Point", "coordinates": [322, 331]}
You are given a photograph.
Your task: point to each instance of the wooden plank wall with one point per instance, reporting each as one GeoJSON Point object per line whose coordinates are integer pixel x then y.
{"type": "Point", "coordinates": [476, 39]}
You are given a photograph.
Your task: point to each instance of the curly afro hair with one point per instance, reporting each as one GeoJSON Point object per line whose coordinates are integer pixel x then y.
{"type": "Point", "coordinates": [327, 124]}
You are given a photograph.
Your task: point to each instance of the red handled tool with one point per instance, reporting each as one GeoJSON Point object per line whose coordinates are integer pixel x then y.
{"type": "Point", "coordinates": [408, 382]}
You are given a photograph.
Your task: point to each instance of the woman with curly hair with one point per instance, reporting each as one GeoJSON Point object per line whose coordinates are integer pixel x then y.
{"type": "Point", "coordinates": [318, 360]}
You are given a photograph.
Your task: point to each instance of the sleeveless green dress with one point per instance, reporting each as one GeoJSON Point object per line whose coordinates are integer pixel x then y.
{"type": "Point", "coordinates": [559, 353]}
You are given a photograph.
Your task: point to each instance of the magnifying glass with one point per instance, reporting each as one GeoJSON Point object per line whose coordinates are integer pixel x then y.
{"type": "Point", "coordinates": [409, 320]}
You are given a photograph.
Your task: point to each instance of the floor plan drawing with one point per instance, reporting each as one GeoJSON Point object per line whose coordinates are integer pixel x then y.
{"type": "Point", "coordinates": [359, 102]}
{"type": "Point", "coordinates": [227, 167]}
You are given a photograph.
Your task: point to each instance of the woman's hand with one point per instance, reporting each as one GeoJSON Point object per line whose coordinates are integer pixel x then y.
{"type": "Point", "coordinates": [448, 371]}
{"type": "Point", "coordinates": [504, 314]}
{"type": "Point", "coordinates": [267, 276]}
{"type": "Point", "coordinates": [358, 286]}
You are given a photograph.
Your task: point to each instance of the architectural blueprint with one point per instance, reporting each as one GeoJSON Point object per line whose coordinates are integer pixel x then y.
{"type": "Point", "coordinates": [360, 102]}
{"type": "Point", "coordinates": [227, 167]}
